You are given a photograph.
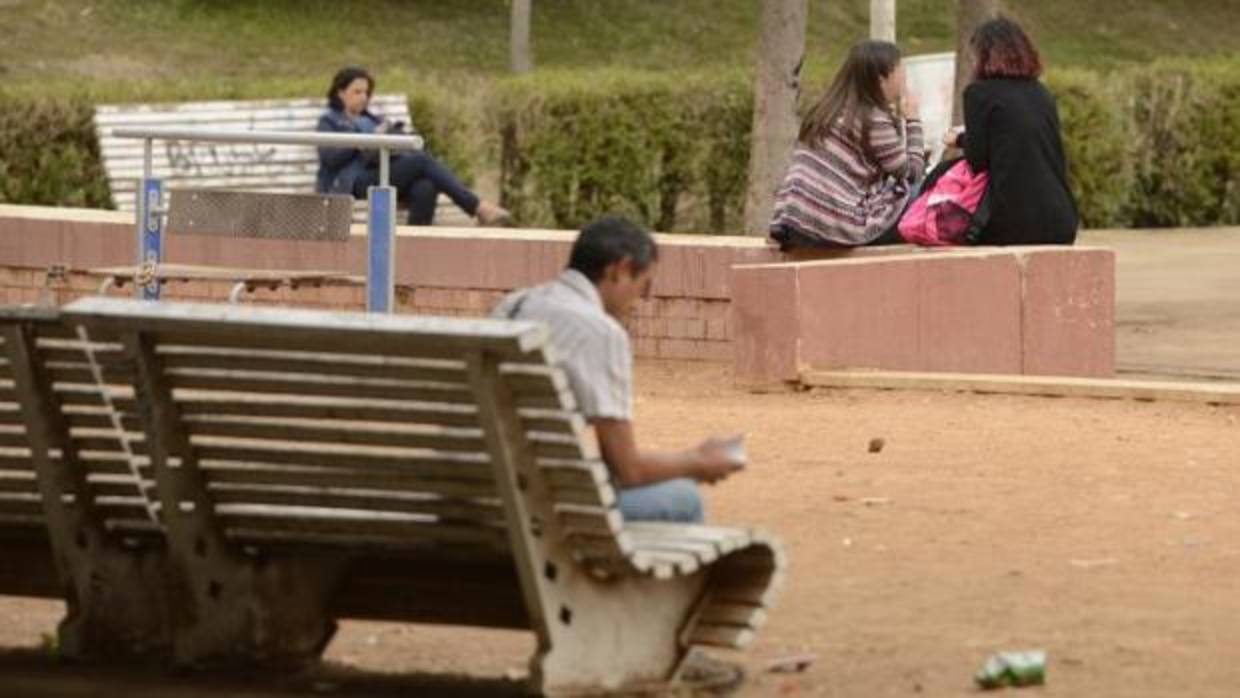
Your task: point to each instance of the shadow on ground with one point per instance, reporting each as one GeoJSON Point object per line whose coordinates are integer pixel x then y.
{"type": "Point", "coordinates": [34, 673]}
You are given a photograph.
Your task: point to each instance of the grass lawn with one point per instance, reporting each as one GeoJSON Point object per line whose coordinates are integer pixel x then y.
{"type": "Point", "coordinates": [177, 49]}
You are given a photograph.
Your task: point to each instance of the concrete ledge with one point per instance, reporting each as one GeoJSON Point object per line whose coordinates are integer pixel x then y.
{"type": "Point", "coordinates": [1019, 310]}
{"type": "Point", "coordinates": [1040, 386]}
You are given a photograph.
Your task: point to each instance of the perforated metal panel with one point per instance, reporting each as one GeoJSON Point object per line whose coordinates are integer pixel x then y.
{"type": "Point", "coordinates": [247, 214]}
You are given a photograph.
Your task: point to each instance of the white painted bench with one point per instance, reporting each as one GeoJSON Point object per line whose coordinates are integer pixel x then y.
{"type": "Point", "coordinates": [221, 482]}
{"type": "Point", "coordinates": [288, 169]}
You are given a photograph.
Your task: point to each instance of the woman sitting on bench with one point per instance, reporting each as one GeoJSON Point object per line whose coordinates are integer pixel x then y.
{"type": "Point", "coordinates": [418, 177]}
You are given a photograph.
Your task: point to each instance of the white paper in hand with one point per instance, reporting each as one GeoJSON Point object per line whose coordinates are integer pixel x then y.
{"type": "Point", "coordinates": [734, 448]}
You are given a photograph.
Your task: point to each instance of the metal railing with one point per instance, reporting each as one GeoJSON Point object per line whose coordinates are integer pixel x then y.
{"type": "Point", "coordinates": [381, 198]}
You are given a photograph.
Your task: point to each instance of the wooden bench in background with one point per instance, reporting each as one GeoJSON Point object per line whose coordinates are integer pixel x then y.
{"type": "Point", "coordinates": [219, 483]}
{"type": "Point", "coordinates": [286, 169]}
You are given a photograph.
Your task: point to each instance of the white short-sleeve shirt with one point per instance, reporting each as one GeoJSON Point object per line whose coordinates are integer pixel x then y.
{"type": "Point", "coordinates": [590, 345]}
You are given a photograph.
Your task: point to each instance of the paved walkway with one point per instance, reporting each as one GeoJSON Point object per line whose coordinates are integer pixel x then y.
{"type": "Point", "coordinates": [1178, 302]}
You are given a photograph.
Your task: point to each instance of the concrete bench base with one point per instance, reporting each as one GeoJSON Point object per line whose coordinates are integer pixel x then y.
{"type": "Point", "coordinates": [1026, 310]}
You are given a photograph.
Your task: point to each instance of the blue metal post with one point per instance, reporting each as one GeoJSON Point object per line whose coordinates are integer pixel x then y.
{"type": "Point", "coordinates": [381, 239]}
{"type": "Point", "coordinates": [150, 230]}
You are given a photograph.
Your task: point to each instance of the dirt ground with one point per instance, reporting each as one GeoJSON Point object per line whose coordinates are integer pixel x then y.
{"type": "Point", "coordinates": [1177, 302]}
{"type": "Point", "coordinates": [1102, 531]}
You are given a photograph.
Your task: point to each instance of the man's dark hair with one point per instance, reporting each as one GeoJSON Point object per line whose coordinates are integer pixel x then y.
{"type": "Point", "coordinates": [608, 240]}
{"type": "Point", "coordinates": [345, 77]}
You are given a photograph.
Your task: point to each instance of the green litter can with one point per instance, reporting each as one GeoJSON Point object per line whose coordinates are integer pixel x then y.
{"type": "Point", "coordinates": [1025, 668]}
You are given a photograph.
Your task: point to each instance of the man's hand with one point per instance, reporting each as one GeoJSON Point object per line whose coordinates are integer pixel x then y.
{"type": "Point", "coordinates": [717, 459]}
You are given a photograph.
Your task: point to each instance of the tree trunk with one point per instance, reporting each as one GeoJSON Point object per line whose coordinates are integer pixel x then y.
{"type": "Point", "coordinates": [970, 14]}
{"type": "Point", "coordinates": [883, 20]}
{"type": "Point", "coordinates": [777, 85]}
{"type": "Point", "coordinates": [522, 58]}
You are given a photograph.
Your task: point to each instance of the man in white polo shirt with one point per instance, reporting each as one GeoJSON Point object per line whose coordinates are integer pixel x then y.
{"type": "Point", "coordinates": [610, 268]}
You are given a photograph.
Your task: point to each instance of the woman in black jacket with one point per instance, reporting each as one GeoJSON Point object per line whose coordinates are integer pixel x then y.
{"type": "Point", "coordinates": [1012, 132]}
{"type": "Point", "coordinates": [417, 177]}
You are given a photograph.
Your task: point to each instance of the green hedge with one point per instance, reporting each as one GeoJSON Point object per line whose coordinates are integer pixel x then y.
{"type": "Point", "coordinates": [1187, 146]}
{"type": "Point", "coordinates": [670, 151]}
{"type": "Point", "coordinates": [49, 154]}
{"type": "Point", "coordinates": [1154, 146]}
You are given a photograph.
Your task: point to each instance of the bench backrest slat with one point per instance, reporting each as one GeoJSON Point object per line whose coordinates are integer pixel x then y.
{"type": "Point", "coordinates": [19, 491]}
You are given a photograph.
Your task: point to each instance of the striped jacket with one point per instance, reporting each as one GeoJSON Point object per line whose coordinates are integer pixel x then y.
{"type": "Point", "coordinates": [841, 192]}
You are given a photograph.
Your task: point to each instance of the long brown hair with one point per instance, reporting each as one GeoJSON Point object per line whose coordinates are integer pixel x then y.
{"type": "Point", "coordinates": [856, 91]}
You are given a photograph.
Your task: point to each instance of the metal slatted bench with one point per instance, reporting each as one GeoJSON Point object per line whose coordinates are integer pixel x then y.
{"type": "Point", "coordinates": [250, 474]}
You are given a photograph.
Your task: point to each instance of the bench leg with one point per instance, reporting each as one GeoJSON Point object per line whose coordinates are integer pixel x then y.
{"type": "Point", "coordinates": [611, 634]}
{"type": "Point", "coordinates": [117, 606]}
{"type": "Point", "coordinates": [115, 596]}
{"type": "Point", "coordinates": [239, 609]}
{"type": "Point", "coordinates": [265, 612]}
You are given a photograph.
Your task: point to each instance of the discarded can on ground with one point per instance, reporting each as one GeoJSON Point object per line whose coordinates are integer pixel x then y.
{"type": "Point", "coordinates": [1027, 668]}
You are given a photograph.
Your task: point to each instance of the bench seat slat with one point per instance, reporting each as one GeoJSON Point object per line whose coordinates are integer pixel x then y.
{"type": "Point", "coordinates": [36, 521]}
{"type": "Point", "coordinates": [343, 478]}
{"type": "Point", "coordinates": [117, 487]}
{"type": "Point", "coordinates": [362, 540]}
{"type": "Point", "coordinates": [427, 462]}
{"type": "Point", "coordinates": [13, 439]}
{"type": "Point", "coordinates": [21, 504]}
{"type": "Point", "coordinates": [101, 420]}
{"type": "Point", "coordinates": [382, 389]}
{"type": "Point", "coordinates": [480, 510]}
{"type": "Point", "coordinates": [467, 440]}
{"type": "Point", "coordinates": [399, 531]}
{"type": "Point", "coordinates": [106, 443]}
{"type": "Point", "coordinates": [320, 364]}
{"type": "Point", "coordinates": [16, 460]}
{"type": "Point", "coordinates": [76, 356]}
{"type": "Point", "coordinates": [328, 408]}
{"type": "Point", "coordinates": [290, 328]}
{"type": "Point", "coordinates": [734, 614]}
{"type": "Point", "coordinates": [664, 564]}
{"type": "Point", "coordinates": [218, 432]}
{"type": "Point", "coordinates": [728, 636]}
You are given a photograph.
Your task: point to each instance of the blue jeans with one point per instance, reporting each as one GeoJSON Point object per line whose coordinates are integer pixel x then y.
{"type": "Point", "coordinates": [418, 179]}
{"type": "Point", "coordinates": [677, 500]}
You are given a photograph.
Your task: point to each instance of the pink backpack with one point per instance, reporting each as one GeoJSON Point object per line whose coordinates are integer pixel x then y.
{"type": "Point", "coordinates": [941, 215]}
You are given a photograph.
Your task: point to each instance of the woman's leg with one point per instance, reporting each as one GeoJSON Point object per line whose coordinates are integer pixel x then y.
{"type": "Point", "coordinates": [421, 197]}
{"type": "Point", "coordinates": [364, 181]}
{"type": "Point", "coordinates": [410, 167]}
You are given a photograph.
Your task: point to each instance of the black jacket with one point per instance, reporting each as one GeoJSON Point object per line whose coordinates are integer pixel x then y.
{"type": "Point", "coordinates": [1012, 132]}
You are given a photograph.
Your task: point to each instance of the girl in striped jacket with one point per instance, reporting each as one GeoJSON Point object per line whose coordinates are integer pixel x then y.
{"type": "Point", "coordinates": [858, 159]}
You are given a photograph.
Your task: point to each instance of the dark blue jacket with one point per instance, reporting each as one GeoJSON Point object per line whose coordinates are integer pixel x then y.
{"type": "Point", "coordinates": [339, 168]}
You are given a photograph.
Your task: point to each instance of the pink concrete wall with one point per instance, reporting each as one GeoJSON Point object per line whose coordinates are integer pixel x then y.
{"type": "Point", "coordinates": [446, 271]}
{"type": "Point", "coordinates": [1046, 311]}
{"type": "Point", "coordinates": [904, 308]}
